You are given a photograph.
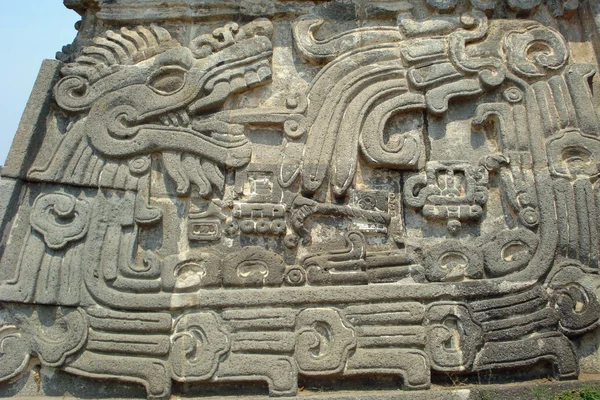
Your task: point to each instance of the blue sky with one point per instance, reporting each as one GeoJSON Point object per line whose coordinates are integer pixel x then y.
{"type": "Point", "coordinates": [30, 32]}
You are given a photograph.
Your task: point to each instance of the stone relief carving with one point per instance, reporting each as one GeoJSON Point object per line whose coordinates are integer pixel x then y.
{"type": "Point", "coordinates": [276, 198]}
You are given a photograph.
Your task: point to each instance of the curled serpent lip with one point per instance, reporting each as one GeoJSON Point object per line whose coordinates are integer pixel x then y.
{"type": "Point", "coordinates": [227, 138]}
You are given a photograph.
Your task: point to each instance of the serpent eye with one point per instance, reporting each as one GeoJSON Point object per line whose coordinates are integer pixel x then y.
{"type": "Point", "coordinates": [579, 161]}
{"type": "Point", "coordinates": [167, 80]}
{"type": "Point", "coordinates": [576, 154]}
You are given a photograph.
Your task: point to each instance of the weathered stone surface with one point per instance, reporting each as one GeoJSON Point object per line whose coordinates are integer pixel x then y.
{"type": "Point", "coordinates": [252, 197]}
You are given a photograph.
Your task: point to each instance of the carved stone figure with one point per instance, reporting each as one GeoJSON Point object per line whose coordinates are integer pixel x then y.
{"type": "Point", "coordinates": [289, 191]}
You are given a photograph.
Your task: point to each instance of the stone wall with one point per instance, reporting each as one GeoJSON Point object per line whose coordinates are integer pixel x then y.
{"type": "Point", "coordinates": [282, 191]}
